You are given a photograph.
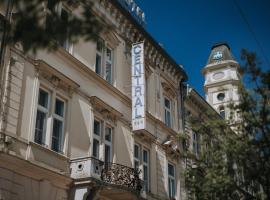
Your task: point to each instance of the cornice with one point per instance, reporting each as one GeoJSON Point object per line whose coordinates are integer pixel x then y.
{"type": "Point", "coordinates": [126, 26]}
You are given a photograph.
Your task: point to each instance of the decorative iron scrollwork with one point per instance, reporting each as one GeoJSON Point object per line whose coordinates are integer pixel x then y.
{"type": "Point", "coordinates": [121, 175]}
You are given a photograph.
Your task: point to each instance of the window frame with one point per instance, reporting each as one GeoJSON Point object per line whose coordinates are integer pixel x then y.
{"type": "Point", "coordinates": [142, 164]}
{"type": "Point", "coordinates": [55, 116]}
{"type": "Point", "coordinates": [168, 110]}
{"type": "Point", "coordinates": [53, 94]}
{"type": "Point", "coordinates": [59, 7]}
{"type": "Point", "coordinates": [104, 60]}
{"type": "Point", "coordinates": [102, 139]}
{"type": "Point", "coordinates": [170, 179]}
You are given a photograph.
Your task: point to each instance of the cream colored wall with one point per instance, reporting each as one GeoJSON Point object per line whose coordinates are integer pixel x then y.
{"type": "Point", "coordinates": [15, 186]}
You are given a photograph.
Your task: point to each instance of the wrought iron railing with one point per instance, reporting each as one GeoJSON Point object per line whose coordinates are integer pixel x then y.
{"type": "Point", "coordinates": [121, 175]}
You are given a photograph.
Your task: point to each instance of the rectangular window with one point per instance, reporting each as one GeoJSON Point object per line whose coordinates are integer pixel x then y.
{"type": "Point", "coordinates": [171, 180]}
{"type": "Point", "coordinates": [168, 117]}
{"type": "Point", "coordinates": [102, 141]}
{"type": "Point", "coordinates": [58, 125]}
{"type": "Point", "coordinates": [136, 156]}
{"type": "Point", "coordinates": [104, 61]}
{"type": "Point", "coordinates": [146, 169]}
{"type": "Point", "coordinates": [57, 8]}
{"type": "Point", "coordinates": [42, 115]}
{"type": "Point", "coordinates": [50, 120]}
{"type": "Point", "coordinates": [108, 144]}
{"type": "Point", "coordinates": [96, 139]}
{"type": "Point", "coordinates": [141, 161]}
{"type": "Point", "coordinates": [64, 42]}
{"type": "Point", "coordinates": [195, 143]}
{"type": "Point", "coordinates": [108, 75]}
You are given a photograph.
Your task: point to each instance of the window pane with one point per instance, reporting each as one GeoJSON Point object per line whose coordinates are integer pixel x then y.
{"type": "Point", "coordinates": [145, 156]}
{"type": "Point", "coordinates": [167, 103]}
{"type": "Point", "coordinates": [43, 98]}
{"type": "Point", "coordinates": [59, 107]}
{"type": "Point", "coordinates": [40, 127]}
{"type": "Point", "coordinates": [168, 118]}
{"type": "Point", "coordinates": [108, 72]}
{"type": "Point", "coordinates": [96, 148]}
{"type": "Point", "coordinates": [171, 170]}
{"type": "Point", "coordinates": [107, 153]}
{"type": "Point", "coordinates": [97, 127]}
{"type": "Point", "coordinates": [136, 151]}
{"type": "Point", "coordinates": [109, 54]}
{"type": "Point", "coordinates": [171, 188]}
{"type": "Point", "coordinates": [57, 135]}
{"type": "Point", "coordinates": [64, 42]}
{"type": "Point", "coordinates": [136, 164]}
{"type": "Point", "coordinates": [98, 64]}
{"type": "Point", "coordinates": [145, 177]}
{"type": "Point", "coordinates": [108, 134]}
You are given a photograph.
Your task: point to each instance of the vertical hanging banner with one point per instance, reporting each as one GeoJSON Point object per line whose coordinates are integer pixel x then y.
{"type": "Point", "coordinates": [138, 86]}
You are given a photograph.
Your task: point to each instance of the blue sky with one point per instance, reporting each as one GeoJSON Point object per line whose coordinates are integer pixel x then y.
{"type": "Point", "coordinates": [187, 29]}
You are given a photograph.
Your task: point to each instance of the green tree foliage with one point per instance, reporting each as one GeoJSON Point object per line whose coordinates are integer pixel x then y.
{"type": "Point", "coordinates": [235, 164]}
{"type": "Point", "coordinates": [39, 24]}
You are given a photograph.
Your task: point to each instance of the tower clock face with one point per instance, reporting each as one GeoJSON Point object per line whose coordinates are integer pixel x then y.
{"type": "Point", "coordinates": [218, 75]}
{"type": "Point", "coordinates": [217, 55]}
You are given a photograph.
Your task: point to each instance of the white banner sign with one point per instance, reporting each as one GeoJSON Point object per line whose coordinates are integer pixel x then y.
{"type": "Point", "coordinates": [138, 86]}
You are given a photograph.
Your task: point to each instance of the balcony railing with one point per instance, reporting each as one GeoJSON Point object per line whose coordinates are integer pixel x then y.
{"type": "Point", "coordinates": [110, 173]}
{"type": "Point", "coordinates": [121, 175]}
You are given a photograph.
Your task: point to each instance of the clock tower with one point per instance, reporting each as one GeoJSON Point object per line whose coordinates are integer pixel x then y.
{"type": "Point", "coordinates": [222, 79]}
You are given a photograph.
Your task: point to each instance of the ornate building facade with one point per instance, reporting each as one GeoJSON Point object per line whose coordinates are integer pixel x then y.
{"type": "Point", "coordinates": [66, 131]}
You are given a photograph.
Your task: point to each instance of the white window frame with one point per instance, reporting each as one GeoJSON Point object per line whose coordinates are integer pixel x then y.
{"type": "Point", "coordinates": [102, 140]}
{"type": "Point", "coordinates": [50, 116]}
{"type": "Point", "coordinates": [166, 111]}
{"type": "Point", "coordinates": [105, 60]}
{"type": "Point", "coordinates": [59, 118]}
{"type": "Point", "coordinates": [108, 143]}
{"type": "Point", "coordinates": [98, 138]}
{"type": "Point", "coordinates": [170, 178]}
{"type": "Point", "coordinates": [141, 162]}
{"type": "Point", "coordinates": [59, 8]}
{"type": "Point", "coordinates": [43, 110]}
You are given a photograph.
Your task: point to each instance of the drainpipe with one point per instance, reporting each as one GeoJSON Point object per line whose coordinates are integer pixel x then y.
{"type": "Point", "coordinates": [6, 21]}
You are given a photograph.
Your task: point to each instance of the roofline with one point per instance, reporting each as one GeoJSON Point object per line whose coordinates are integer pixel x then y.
{"type": "Point", "coordinates": [220, 44]}
{"type": "Point", "coordinates": [203, 101]}
{"type": "Point", "coordinates": [149, 37]}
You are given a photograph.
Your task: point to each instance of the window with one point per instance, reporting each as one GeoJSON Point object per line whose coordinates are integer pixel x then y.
{"type": "Point", "coordinates": [171, 181]}
{"type": "Point", "coordinates": [220, 96]}
{"type": "Point", "coordinates": [195, 143]}
{"type": "Point", "coordinates": [168, 113]}
{"type": "Point", "coordinates": [45, 120]}
{"type": "Point", "coordinates": [42, 116]}
{"type": "Point", "coordinates": [100, 141]}
{"type": "Point", "coordinates": [96, 139]}
{"type": "Point", "coordinates": [104, 61]}
{"type": "Point", "coordinates": [141, 161]}
{"type": "Point", "coordinates": [222, 112]}
{"type": "Point", "coordinates": [59, 9]}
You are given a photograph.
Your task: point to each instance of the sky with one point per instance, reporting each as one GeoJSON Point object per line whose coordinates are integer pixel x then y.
{"type": "Point", "coordinates": [187, 29]}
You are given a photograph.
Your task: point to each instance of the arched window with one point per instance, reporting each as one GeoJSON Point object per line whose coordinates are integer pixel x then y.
{"type": "Point", "coordinates": [222, 112]}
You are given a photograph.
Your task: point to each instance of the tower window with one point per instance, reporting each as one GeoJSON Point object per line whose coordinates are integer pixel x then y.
{"type": "Point", "coordinates": [222, 112]}
{"type": "Point", "coordinates": [221, 96]}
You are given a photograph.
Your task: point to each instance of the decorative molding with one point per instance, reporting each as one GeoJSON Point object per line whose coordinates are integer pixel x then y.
{"type": "Point", "coordinates": [105, 110]}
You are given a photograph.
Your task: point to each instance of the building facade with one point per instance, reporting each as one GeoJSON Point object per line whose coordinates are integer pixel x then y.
{"type": "Point", "coordinates": [66, 118]}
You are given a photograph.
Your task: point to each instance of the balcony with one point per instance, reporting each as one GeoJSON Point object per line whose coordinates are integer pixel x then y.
{"type": "Point", "coordinates": [108, 174]}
